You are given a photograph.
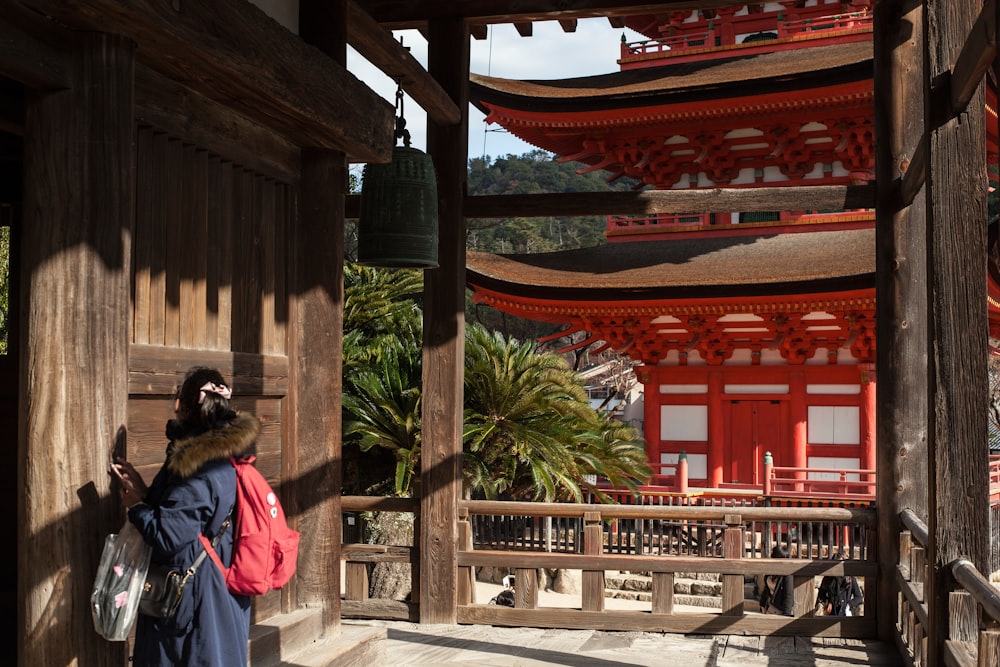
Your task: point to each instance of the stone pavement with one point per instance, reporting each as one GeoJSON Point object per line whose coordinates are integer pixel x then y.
{"type": "Point", "coordinates": [414, 644]}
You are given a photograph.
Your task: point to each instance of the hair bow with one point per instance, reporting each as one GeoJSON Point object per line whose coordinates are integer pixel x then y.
{"type": "Point", "coordinates": [212, 388]}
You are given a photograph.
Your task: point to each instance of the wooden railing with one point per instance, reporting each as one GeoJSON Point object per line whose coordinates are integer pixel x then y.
{"type": "Point", "coordinates": [969, 643]}
{"type": "Point", "coordinates": [994, 477]}
{"type": "Point", "coordinates": [737, 543]}
{"type": "Point", "coordinates": [713, 36]}
{"type": "Point", "coordinates": [847, 484]}
{"type": "Point", "coordinates": [357, 557]}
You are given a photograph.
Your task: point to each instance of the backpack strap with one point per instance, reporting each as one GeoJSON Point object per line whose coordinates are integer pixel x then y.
{"type": "Point", "coordinates": [209, 547]}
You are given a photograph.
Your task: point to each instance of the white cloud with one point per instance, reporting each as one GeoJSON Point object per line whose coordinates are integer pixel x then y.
{"type": "Point", "coordinates": [549, 53]}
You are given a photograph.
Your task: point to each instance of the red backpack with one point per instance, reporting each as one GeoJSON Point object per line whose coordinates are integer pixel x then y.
{"type": "Point", "coordinates": [265, 548]}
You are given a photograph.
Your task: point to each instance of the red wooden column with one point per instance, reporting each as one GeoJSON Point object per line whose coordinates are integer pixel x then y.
{"type": "Point", "coordinates": [799, 418]}
{"type": "Point", "coordinates": [650, 376]}
{"type": "Point", "coordinates": [716, 429]}
{"type": "Point", "coordinates": [444, 337]}
{"type": "Point", "coordinates": [868, 416]}
{"type": "Point", "coordinates": [79, 185]}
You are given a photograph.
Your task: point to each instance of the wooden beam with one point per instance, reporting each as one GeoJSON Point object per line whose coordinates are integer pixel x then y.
{"type": "Point", "coordinates": [410, 13]}
{"type": "Point", "coordinates": [719, 200]}
{"type": "Point", "coordinates": [232, 52]}
{"type": "Point", "coordinates": [524, 28]}
{"type": "Point", "coordinates": [568, 25]}
{"type": "Point", "coordinates": [671, 201]}
{"type": "Point", "coordinates": [28, 60]}
{"type": "Point", "coordinates": [951, 98]}
{"type": "Point", "coordinates": [978, 53]}
{"type": "Point", "coordinates": [380, 48]}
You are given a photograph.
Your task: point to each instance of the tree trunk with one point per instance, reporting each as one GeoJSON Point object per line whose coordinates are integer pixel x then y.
{"type": "Point", "coordinates": [391, 581]}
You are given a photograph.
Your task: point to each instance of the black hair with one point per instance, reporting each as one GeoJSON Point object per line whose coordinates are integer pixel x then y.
{"type": "Point", "coordinates": [779, 552]}
{"type": "Point", "coordinates": [209, 412]}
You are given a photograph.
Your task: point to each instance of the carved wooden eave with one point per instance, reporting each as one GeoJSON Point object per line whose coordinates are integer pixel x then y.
{"type": "Point", "coordinates": [796, 291]}
{"type": "Point", "coordinates": [793, 110]}
{"type": "Point", "coordinates": [234, 54]}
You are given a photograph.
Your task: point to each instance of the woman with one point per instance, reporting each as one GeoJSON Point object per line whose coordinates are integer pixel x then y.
{"type": "Point", "coordinates": [839, 596]}
{"type": "Point", "coordinates": [777, 594]}
{"type": "Point", "coordinates": [193, 493]}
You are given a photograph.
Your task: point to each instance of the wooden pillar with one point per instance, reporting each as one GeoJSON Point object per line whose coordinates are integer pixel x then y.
{"type": "Point", "coordinates": [651, 414]}
{"type": "Point", "coordinates": [901, 269]}
{"type": "Point", "coordinates": [799, 417]}
{"type": "Point", "coordinates": [79, 183]}
{"type": "Point", "coordinates": [868, 412]}
{"type": "Point", "coordinates": [956, 289]}
{"type": "Point", "coordinates": [716, 429]}
{"type": "Point", "coordinates": [592, 581]}
{"type": "Point", "coordinates": [444, 336]}
{"type": "Point", "coordinates": [313, 447]}
{"type": "Point", "coordinates": [733, 543]}
{"type": "Point", "coordinates": [313, 454]}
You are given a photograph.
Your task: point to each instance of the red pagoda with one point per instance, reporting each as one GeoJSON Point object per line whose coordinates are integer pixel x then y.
{"type": "Point", "coordinates": [755, 332]}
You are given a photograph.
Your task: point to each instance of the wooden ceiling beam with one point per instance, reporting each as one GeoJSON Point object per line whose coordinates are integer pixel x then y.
{"type": "Point", "coordinates": [27, 60]}
{"type": "Point", "coordinates": [409, 13]}
{"type": "Point", "coordinates": [381, 49]}
{"type": "Point", "coordinates": [233, 53]}
{"type": "Point", "coordinates": [718, 200]}
{"type": "Point", "coordinates": [524, 29]}
{"type": "Point", "coordinates": [568, 25]}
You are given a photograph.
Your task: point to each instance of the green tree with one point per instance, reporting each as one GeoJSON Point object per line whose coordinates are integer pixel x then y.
{"type": "Point", "coordinates": [383, 404]}
{"type": "Point", "coordinates": [530, 431]}
{"type": "Point", "coordinates": [382, 353]}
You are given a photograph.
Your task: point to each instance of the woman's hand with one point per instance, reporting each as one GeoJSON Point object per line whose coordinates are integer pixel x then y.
{"type": "Point", "coordinates": [133, 488]}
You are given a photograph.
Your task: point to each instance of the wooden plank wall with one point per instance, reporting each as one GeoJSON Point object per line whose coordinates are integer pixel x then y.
{"type": "Point", "coordinates": [209, 288]}
{"type": "Point", "coordinates": [208, 270]}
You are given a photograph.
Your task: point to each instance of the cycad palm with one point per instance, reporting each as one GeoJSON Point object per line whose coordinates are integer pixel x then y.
{"type": "Point", "coordinates": [382, 325]}
{"type": "Point", "coordinates": [529, 430]}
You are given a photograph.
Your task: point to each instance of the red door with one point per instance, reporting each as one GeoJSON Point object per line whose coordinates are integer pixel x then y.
{"type": "Point", "coordinates": [755, 428]}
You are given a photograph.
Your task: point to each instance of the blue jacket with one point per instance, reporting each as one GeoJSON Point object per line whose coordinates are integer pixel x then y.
{"type": "Point", "coordinates": [193, 493]}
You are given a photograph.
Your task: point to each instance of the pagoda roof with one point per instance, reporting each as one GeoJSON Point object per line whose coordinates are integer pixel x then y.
{"type": "Point", "coordinates": [777, 72]}
{"type": "Point", "coordinates": [704, 266]}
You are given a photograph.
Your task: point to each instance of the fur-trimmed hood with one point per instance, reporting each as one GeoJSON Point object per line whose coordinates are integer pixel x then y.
{"type": "Point", "coordinates": [187, 455]}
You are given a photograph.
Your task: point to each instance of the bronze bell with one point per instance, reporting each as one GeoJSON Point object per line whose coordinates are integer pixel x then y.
{"type": "Point", "coordinates": [398, 219]}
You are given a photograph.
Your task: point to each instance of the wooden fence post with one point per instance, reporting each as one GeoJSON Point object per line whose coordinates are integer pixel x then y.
{"type": "Point", "coordinates": [682, 472]}
{"type": "Point", "coordinates": [989, 648]}
{"type": "Point", "coordinates": [663, 592]}
{"type": "Point", "coordinates": [732, 584]}
{"type": "Point", "coordinates": [466, 574]}
{"type": "Point", "coordinates": [768, 472]}
{"type": "Point", "coordinates": [593, 545]}
{"type": "Point", "coordinates": [963, 617]}
{"type": "Point", "coordinates": [526, 588]}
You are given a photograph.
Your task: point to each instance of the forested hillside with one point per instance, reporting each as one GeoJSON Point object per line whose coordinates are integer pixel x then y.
{"type": "Point", "coordinates": [533, 173]}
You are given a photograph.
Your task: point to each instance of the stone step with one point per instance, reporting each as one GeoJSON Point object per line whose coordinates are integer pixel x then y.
{"type": "Point", "coordinates": [294, 639]}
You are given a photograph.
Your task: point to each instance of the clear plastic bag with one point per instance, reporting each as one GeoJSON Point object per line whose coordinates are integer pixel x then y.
{"type": "Point", "coordinates": [121, 574]}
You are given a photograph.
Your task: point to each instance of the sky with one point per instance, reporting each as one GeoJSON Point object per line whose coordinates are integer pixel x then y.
{"type": "Point", "coordinates": [549, 53]}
